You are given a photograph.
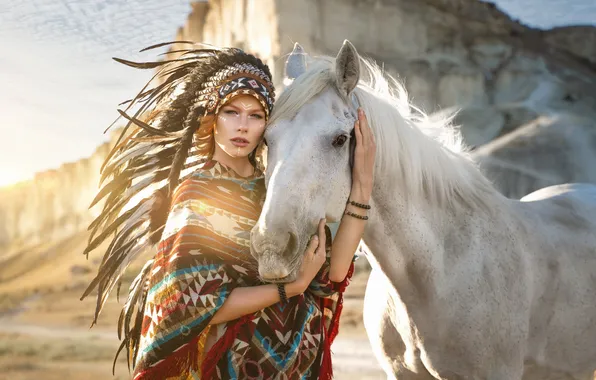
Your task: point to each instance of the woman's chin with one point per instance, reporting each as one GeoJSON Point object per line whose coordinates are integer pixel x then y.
{"type": "Point", "coordinates": [239, 152]}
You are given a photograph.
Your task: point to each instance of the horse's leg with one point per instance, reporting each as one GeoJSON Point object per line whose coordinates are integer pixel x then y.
{"type": "Point", "coordinates": [376, 322]}
{"type": "Point", "coordinates": [386, 343]}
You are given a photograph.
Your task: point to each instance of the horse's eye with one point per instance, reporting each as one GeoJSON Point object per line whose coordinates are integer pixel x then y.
{"type": "Point", "coordinates": [340, 141]}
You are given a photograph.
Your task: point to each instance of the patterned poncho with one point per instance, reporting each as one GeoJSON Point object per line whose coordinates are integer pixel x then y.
{"type": "Point", "coordinates": [204, 254]}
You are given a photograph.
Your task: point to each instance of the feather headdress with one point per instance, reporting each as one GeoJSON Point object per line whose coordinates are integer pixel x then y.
{"type": "Point", "coordinates": [159, 143]}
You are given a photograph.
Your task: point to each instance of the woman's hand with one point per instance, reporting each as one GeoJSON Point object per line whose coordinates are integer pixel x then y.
{"type": "Point", "coordinates": [364, 159]}
{"type": "Point", "coordinates": [314, 258]}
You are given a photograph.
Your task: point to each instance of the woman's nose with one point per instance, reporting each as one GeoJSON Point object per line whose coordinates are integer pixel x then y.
{"type": "Point", "coordinates": [243, 125]}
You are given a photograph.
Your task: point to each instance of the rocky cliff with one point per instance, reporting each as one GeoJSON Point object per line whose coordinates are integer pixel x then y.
{"type": "Point", "coordinates": [450, 54]}
{"type": "Point", "coordinates": [462, 55]}
{"type": "Point", "coordinates": [52, 206]}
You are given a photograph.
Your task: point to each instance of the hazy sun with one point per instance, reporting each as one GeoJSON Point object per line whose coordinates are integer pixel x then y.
{"type": "Point", "coordinates": [8, 177]}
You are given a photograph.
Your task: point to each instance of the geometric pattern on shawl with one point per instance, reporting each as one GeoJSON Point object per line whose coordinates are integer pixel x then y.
{"type": "Point", "coordinates": [204, 254]}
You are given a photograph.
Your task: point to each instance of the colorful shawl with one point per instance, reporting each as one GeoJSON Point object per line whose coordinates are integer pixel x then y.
{"type": "Point", "coordinates": [203, 255]}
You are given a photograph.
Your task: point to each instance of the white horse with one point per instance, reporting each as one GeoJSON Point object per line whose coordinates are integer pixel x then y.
{"type": "Point", "coordinates": [466, 283]}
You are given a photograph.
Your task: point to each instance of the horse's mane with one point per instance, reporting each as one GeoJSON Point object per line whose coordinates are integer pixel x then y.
{"type": "Point", "coordinates": [422, 153]}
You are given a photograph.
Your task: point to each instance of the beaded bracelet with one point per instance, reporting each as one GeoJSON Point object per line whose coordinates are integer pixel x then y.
{"type": "Point", "coordinates": [360, 205]}
{"type": "Point", "coordinates": [362, 217]}
{"type": "Point", "coordinates": [281, 289]}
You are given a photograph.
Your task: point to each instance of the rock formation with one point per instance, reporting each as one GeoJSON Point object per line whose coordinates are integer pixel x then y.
{"type": "Point", "coordinates": [463, 55]}
{"type": "Point", "coordinates": [549, 150]}
{"type": "Point", "coordinates": [450, 54]}
{"type": "Point", "coordinates": [51, 206]}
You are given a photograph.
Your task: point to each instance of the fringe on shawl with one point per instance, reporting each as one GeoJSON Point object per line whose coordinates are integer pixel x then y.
{"type": "Point", "coordinates": [221, 346]}
{"type": "Point", "coordinates": [187, 355]}
{"type": "Point", "coordinates": [326, 372]}
{"type": "Point", "coordinates": [184, 357]}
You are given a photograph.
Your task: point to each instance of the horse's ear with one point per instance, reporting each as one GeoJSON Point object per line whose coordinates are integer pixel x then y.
{"type": "Point", "coordinates": [295, 65]}
{"type": "Point", "coordinates": [347, 68]}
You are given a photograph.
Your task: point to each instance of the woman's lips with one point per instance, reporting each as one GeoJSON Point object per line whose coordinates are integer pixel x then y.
{"type": "Point", "coordinates": [239, 142]}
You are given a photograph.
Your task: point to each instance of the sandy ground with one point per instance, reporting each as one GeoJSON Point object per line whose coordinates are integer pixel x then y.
{"type": "Point", "coordinates": [44, 328]}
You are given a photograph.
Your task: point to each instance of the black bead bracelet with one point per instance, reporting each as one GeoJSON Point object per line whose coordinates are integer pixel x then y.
{"type": "Point", "coordinates": [281, 289]}
{"type": "Point", "coordinates": [362, 217]}
{"type": "Point", "coordinates": [360, 205]}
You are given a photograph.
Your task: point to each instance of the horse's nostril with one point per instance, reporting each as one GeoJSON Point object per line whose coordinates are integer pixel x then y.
{"type": "Point", "coordinates": [292, 245]}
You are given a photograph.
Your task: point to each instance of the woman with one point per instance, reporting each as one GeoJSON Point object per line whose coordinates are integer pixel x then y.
{"type": "Point", "coordinates": [203, 312]}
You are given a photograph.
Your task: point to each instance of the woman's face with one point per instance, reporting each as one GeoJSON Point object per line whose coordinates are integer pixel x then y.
{"type": "Point", "coordinates": [240, 125]}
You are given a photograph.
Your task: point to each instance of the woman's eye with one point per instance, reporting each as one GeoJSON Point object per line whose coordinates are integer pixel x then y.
{"type": "Point", "coordinates": [256, 116]}
{"type": "Point", "coordinates": [340, 141]}
{"type": "Point", "coordinates": [230, 112]}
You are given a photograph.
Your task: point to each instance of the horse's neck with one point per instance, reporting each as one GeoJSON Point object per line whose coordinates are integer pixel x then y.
{"type": "Point", "coordinates": [410, 239]}
{"type": "Point", "coordinates": [399, 234]}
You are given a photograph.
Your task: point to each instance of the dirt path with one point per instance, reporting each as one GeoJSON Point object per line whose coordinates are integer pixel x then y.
{"type": "Point", "coordinates": [10, 326]}
{"type": "Point", "coordinates": [45, 335]}
{"type": "Point", "coordinates": [352, 355]}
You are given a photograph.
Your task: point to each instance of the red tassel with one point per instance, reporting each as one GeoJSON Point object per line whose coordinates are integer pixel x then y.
{"type": "Point", "coordinates": [220, 347]}
{"type": "Point", "coordinates": [326, 372]}
{"type": "Point", "coordinates": [334, 327]}
{"type": "Point", "coordinates": [326, 365]}
{"type": "Point", "coordinates": [185, 356]}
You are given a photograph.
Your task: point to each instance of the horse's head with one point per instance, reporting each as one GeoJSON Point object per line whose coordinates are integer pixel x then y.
{"type": "Point", "coordinates": [310, 148]}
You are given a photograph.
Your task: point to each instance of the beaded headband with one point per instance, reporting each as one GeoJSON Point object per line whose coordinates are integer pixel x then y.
{"type": "Point", "coordinates": [234, 80]}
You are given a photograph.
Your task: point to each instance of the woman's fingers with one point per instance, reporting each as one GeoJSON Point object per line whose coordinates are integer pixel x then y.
{"type": "Point", "coordinates": [362, 126]}
{"type": "Point", "coordinates": [367, 135]}
{"type": "Point", "coordinates": [357, 132]}
{"type": "Point", "coordinates": [312, 245]}
{"type": "Point", "coordinates": [318, 240]}
{"type": "Point", "coordinates": [322, 236]}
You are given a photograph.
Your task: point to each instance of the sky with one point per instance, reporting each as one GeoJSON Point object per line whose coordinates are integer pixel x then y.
{"type": "Point", "coordinates": [59, 87]}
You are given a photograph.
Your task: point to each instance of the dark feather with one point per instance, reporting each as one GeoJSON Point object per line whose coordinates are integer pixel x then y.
{"type": "Point", "coordinates": [157, 139]}
{"type": "Point", "coordinates": [174, 52]}
{"type": "Point", "coordinates": [135, 332]}
{"type": "Point", "coordinates": [144, 125]}
{"type": "Point", "coordinates": [118, 291]}
{"type": "Point", "coordinates": [140, 65]}
{"type": "Point", "coordinates": [151, 65]}
{"type": "Point", "coordinates": [136, 289]}
{"type": "Point", "coordinates": [165, 44]}
{"type": "Point", "coordinates": [112, 260]}
{"type": "Point", "coordinates": [115, 203]}
{"type": "Point", "coordinates": [117, 184]}
{"type": "Point", "coordinates": [112, 228]}
{"type": "Point", "coordinates": [180, 157]}
{"type": "Point", "coordinates": [140, 164]}
{"type": "Point", "coordinates": [120, 143]}
{"type": "Point", "coordinates": [122, 345]}
{"type": "Point", "coordinates": [139, 95]}
{"type": "Point", "coordinates": [180, 70]}
{"type": "Point", "coordinates": [136, 151]}
{"type": "Point", "coordinates": [156, 95]}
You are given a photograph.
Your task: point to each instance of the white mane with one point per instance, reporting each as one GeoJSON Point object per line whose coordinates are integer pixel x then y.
{"type": "Point", "coordinates": [425, 155]}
